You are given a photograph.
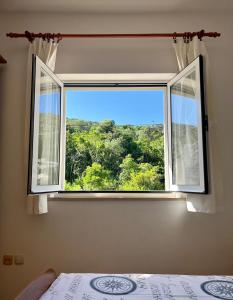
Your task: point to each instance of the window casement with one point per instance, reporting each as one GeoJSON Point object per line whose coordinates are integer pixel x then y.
{"type": "Point", "coordinates": [46, 131]}
{"type": "Point", "coordinates": [187, 130]}
{"type": "Point", "coordinates": [184, 128]}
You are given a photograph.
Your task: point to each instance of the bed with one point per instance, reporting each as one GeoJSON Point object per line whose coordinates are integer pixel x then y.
{"type": "Point", "coordinates": [79, 286]}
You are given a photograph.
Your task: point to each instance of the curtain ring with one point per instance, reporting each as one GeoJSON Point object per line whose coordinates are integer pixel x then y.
{"type": "Point", "coordinates": [201, 34]}
{"type": "Point", "coordinates": [48, 37]}
{"type": "Point", "coordinates": [189, 38]}
{"type": "Point", "coordinates": [29, 36]}
{"type": "Point", "coordinates": [51, 36]}
{"type": "Point", "coordinates": [185, 37]}
{"type": "Point", "coordinates": [43, 36]}
{"type": "Point", "coordinates": [59, 37]}
{"type": "Point", "coordinates": [174, 38]}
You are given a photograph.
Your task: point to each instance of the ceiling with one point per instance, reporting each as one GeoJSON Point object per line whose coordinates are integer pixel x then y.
{"type": "Point", "coordinates": [116, 6]}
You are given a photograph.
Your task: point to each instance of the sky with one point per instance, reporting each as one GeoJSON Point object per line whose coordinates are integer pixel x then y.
{"type": "Point", "coordinates": [124, 107]}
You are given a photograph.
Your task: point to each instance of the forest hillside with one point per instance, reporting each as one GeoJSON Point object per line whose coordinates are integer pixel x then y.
{"type": "Point", "coordinates": [103, 156]}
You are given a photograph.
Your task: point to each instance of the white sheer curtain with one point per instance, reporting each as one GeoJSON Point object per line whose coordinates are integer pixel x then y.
{"type": "Point", "coordinates": [185, 152]}
{"type": "Point", "coordinates": [46, 50]}
{"type": "Point", "coordinates": [49, 133]}
{"type": "Point", "coordinates": [186, 52]}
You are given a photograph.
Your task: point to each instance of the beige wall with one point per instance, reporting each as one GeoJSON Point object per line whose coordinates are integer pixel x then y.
{"type": "Point", "coordinates": [110, 235]}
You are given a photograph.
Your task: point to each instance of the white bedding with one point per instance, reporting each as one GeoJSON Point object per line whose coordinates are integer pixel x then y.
{"type": "Point", "coordinates": [77, 286]}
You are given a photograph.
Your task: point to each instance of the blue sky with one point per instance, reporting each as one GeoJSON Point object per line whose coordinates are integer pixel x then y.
{"type": "Point", "coordinates": [124, 107]}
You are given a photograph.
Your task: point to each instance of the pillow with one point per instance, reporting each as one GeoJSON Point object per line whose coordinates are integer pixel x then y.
{"type": "Point", "coordinates": [38, 287]}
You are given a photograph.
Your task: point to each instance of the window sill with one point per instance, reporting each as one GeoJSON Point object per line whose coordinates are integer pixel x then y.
{"type": "Point", "coordinates": [122, 196]}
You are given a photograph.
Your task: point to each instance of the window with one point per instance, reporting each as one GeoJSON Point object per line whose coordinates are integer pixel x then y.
{"type": "Point", "coordinates": [117, 136]}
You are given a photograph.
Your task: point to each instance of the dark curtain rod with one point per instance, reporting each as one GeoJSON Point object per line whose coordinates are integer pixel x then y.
{"type": "Point", "coordinates": [188, 35]}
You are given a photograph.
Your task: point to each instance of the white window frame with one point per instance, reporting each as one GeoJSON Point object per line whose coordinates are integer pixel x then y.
{"type": "Point", "coordinates": [159, 79]}
{"type": "Point", "coordinates": [33, 187]}
{"type": "Point", "coordinates": [202, 188]}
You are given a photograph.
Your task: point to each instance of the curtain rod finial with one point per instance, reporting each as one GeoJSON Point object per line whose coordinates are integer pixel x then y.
{"type": "Point", "coordinates": [2, 60]}
{"type": "Point", "coordinates": [216, 34]}
{"type": "Point", "coordinates": [10, 34]}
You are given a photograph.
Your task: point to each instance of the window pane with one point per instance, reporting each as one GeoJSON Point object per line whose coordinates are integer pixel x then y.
{"type": "Point", "coordinates": [49, 131]}
{"type": "Point", "coordinates": [185, 118]}
{"type": "Point", "coordinates": [114, 139]}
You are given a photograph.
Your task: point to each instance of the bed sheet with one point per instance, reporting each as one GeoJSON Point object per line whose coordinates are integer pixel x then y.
{"type": "Point", "coordinates": [76, 286]}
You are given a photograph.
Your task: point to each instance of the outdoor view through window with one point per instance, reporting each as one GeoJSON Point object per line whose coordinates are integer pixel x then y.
{"type": "Point", "coordinates": [114, 139]}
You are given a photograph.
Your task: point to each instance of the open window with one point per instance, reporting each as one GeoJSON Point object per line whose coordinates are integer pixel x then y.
{"type": "Point", "coordinates": [46, 132]}
{"type": "Point", "coordinates": [186, 130]}
{"type": "Point", "coordinates": [115, 138]}
{"type": "Point", "coordinates": [69, 140]}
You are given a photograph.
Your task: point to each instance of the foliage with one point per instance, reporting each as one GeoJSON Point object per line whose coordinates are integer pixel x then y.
{"type": "Point", "coordinates": [141, 177]}
{"type": "Point", "coordinates": [95, 177]}
{"type": "Point", "coordinates": [106, 156]}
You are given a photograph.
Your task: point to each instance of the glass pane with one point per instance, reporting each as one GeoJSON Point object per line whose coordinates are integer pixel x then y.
{"type": "Point", "coordinates": [49, 131]}
{"type": "Point", "coordinates": [185, 106]}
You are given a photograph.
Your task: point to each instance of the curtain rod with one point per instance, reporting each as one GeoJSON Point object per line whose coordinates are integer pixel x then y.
{"type": "Point", "coordinates": [2, 60]}
{"type": "Point", "coordinates": [189, 35]}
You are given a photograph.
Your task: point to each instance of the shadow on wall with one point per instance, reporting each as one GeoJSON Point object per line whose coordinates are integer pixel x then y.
{"type": "Point", "coordinates": [3, 70]}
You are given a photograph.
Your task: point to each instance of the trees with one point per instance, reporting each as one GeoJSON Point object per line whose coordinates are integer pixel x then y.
{"type": "Point", "coordinates": [106, 156]}
{"type": "Point", "coordinates": [77, 155]}
{"type": "Point", "coordinates": [128, 168]}
{"type": "Point", "coordinates": [139, 177]}
{"type": "Point", "coordinates": [106, 126]}
{"type": "Point", "coordinates": [96, 177]}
